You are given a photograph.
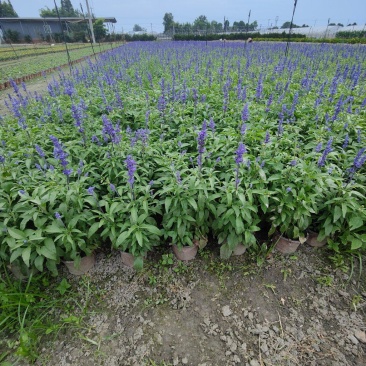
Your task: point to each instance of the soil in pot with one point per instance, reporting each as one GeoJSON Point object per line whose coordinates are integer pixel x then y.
{"type": "Point", "coordinates": [86, 263]}
{"type": "Point", "coordinates": [313, 239]}
{"type": "Point", "coordinates": [185, 253]}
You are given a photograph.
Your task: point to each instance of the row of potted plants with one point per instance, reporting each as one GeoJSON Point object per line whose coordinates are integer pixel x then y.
{"type": "Point", "coordinates": [131, 154]}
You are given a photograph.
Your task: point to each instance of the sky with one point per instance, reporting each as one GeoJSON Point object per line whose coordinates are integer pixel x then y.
{"type": "Point", "coordinates": [149, 13]}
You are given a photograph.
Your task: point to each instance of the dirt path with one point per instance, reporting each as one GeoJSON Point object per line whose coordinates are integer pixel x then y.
{"type": "Point", "coordinates": [296, 310]}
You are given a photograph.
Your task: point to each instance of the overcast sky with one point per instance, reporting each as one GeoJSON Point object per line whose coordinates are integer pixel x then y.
{"type": "Point", "coordinates": [149, 13]}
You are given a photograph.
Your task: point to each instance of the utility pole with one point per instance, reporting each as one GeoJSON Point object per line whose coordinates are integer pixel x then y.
{"type": "Point", "coordinates": [90, 22]}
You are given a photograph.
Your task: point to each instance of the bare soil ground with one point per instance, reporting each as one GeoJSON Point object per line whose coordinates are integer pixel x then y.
{"type": "Point", "coordinates": [291, 310]}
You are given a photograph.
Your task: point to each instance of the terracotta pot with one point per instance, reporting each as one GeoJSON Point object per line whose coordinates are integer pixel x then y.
{"type": "Point", "coordinates": [127, 259]}
{"type": "Point", "coordinates": [286, 246]}
{"type": "Point", "coordinates": [239, 249]}
{"type": "Point", "coordinates": [86, 263]}
{"type": "Point", "coordinates": [185, 253]}
{"type": "Point", "coordinates": [312, 239]}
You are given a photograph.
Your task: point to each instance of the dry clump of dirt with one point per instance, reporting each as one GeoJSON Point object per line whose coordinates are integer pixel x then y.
{"type": "Point", "coordinates": [294, 310]}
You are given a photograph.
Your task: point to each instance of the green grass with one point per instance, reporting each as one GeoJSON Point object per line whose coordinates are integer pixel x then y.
{"type": "Point", "coordinates": [27, 65]}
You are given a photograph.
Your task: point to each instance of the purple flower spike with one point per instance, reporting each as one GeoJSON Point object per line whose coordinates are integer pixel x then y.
{"type": "Point", "coordinates": [178, 177]}
{"type": "Point", "coordinates": [212, 125]}
{"type": "Point", "coordinates": [239, 153]}
{"type": "Point", "coordinates": [90, 190]}
{"type": "Point", "coordinates": [245, 113]}
{"type": "Point", "coordinates": [112, 187]}
{"type": "Point", "coordinates": [40, 151]}
{"type": "Point", "coordinates": [131, 168]}
{"type": "Point", "coordinates": [327, 150]}
{"type": "Point", "coordinates": [267, 138]}
{"type": "Point", "coordinates": [57, 215]}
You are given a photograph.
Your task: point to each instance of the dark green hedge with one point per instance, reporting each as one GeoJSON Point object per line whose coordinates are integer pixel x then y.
{"type": "Point", "coordinates": [234, 36]}
{"type": "Point", "coordinates": [351, 34]}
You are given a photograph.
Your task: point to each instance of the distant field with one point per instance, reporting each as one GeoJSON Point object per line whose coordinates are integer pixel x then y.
{"type": "Point", "coordinates": [34, 59]}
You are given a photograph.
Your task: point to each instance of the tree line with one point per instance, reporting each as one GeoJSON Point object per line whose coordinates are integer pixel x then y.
{"type": "Point", "coordinates": [202, 24]}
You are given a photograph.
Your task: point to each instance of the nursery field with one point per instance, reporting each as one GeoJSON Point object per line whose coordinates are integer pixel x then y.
{"type": "Point", "coordinates": [156, 144]}
{"type": "Point", "coordinates": [152, 144]}
{"type": "Point", "coordinates": [34, 60]}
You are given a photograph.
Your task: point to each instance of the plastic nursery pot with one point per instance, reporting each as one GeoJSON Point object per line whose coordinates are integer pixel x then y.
{"type": "Point", "coordinates": [185, 253]}
{"type": "Point", "coordinates": [312, 239]}
{"type": "Point", "coordinates": [286, 246]}
{"type": "Point", "coordinates": [86, 263]}
{"type": "Point", "coordinates": [239, 249]}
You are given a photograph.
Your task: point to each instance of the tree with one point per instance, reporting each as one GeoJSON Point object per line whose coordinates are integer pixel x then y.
{"type": "Point", "coordinates": [100, 31]}
{"type": "Point", "coordinates": [65, 10]}
{"type": "Point", "coordinates": [226, 25]}
{"type": "Point", "coordinates": [201, 23]}
{"type": "Point", "coordinates": [7, 10]}
{"type": "Point", "coordinates": [288, 25]}
{"type": "Point", "coordinates": [138, 28]}
{"type": "Point", "coordinates": [168, 22]}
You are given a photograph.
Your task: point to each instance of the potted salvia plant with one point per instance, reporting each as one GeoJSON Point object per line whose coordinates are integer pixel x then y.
{"type": "Point", "coordinates": [136, 208]}
{"type": "Point", "coordinates": [69, 228]}
{"type": "Point", "coordinates": [236, 212]}
{"type": "Point", "coordinates": [294, 203]}
{"type": "Point", "coordinates": [30, 247]}
{"type": "Point", "coordinates": [177, 195]}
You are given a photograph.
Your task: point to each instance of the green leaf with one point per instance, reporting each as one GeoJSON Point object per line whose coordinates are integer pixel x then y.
{"type": "Point", "coordinates": [225, 251]}
{"type": "Point", "coordinates": [138, 263]}
{"type": "Point", "coordinates": [54, 229]}
{"type": "Point", "coordinates": [151, 228]}
{"type": "Point", "coordinates": [122, 238]}
{"type": "Point", "coordinates": [26, 255]}
{"type": "Point", "coordinates": [48, 250]}
{"type": "Point", "coordinates": [337, 213]}
{"type": "Point", "coordinates": [38, 263]}
{"type": "Point", "coordinates": [93, 229]}
{"type": "Point", "coordinates": [16, 234]}
{"type": "Point", "coordinates": [344, 210]}
{"type": "Point", "coordinates": [239, 226]}
{"type": "Point", "coordinates": [356, 244]}
{"type": "Point", "coordinates": [229, 199]}
{"type": "Point", "coordinates": [193, 203]}
{"type": "Point", "coordinates": [355, 222]}
{"type": "Point", "coordinates": [15, 254]}
{"type": "Point", "coordinates": [133, 215]}
{"type": "Point", "coordinates": [139, 238]}
{"type": "Point", "coordinates": [168, 201]}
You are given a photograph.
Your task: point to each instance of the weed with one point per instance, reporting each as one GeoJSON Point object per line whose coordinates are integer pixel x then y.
{"type": "Point", "coordinates": [152, 280]}
{"type": "Point", "coordinates": [356, 301]}
{"type": "Point", "coordinates": [181, 268]}
{"type": "Point", "coordinates": [325, 280]}
{"type": "Point", "coordinates": [167, 260]}
{"type": "Point", "coordinates": [286, 273]}
{"type": "Point", "coordinates": [339, 262]}
{"type": "Point", "coordinates": [63, 286]}
{"type": "Point", "coordinates": [270, 286]}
